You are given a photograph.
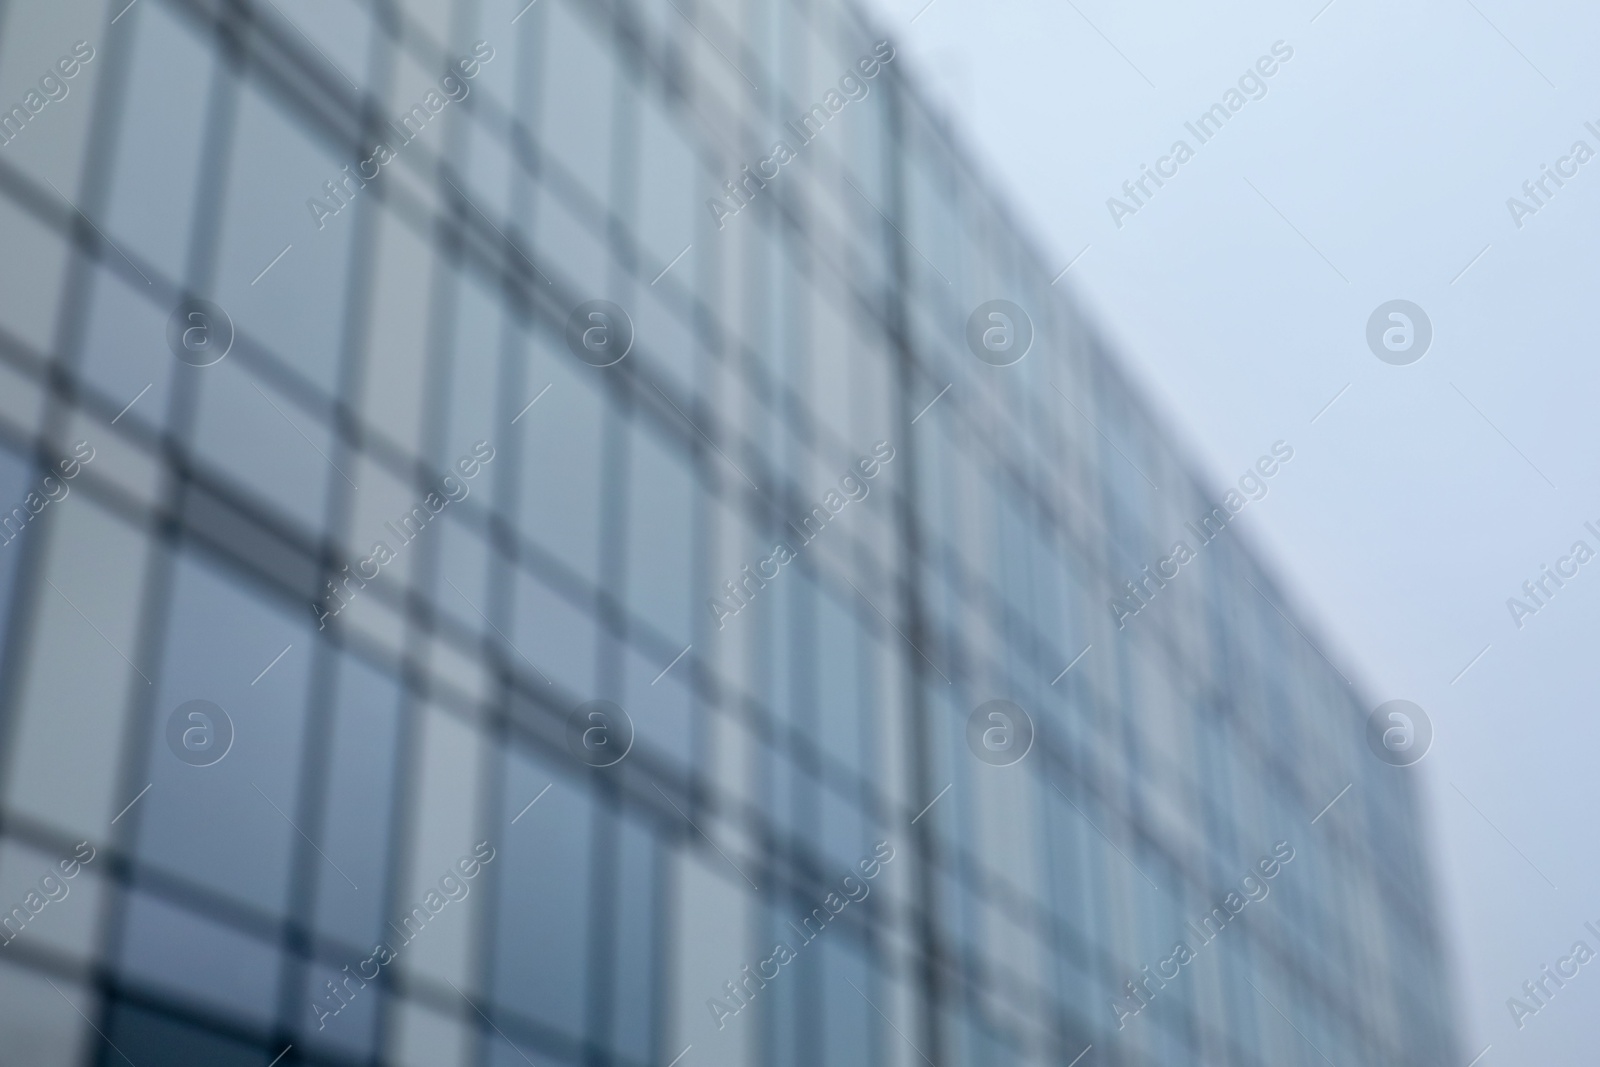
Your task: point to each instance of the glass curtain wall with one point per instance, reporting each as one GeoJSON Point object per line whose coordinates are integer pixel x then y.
{"type": "Point", "coordinates": [538, 558]}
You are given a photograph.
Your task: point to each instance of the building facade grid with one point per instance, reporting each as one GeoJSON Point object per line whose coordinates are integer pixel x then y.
{"type": "Point", "coordinates": [825, 716]}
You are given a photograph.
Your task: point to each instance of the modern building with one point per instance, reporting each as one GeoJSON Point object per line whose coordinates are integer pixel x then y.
{"type": "Point", "coordinates": [504, 563]}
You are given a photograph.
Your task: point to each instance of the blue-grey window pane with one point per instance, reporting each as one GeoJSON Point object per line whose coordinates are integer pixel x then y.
{"type": "Point", "coordinates": [662, 710]}
{"type": "Point", "coordinates": [359, 803]}
{"type": "Point", "coordinates": [342, 1023]}
{"type": "Point", "coordinates": [663, 499]}
{"type": "Point", "coordinates": [158, 149]}
{"type": "Point", "coordinates": [473, 381]}
{"type": "Point", "coordinates": [544, 899]}
{"type": "Point", "coordinates": [556, 635]}
{"type": "Point", "coordinates": [849, 1022]}
{"type": "Point", "coordinates": [199, 961]}
{"type": "Point", "coordinates": [298, 307]}
{"type": "Point", "coordinates": [15, 483]}
{"type": "Point", "coordinates": [119, 310]}
{"type": "Point", "coordinates": [561, 456]}
{"type": "Point", "coordinates": [227, 826]}
{"type": "Point", "coordinates": [257, 438]}
{"type": "Point", "coordinates": [144, 1036]}
{"type": "Point", "coordinates": [637, 977]}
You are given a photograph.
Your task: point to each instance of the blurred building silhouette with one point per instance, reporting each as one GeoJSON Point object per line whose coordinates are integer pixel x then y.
{"type": "Point", "coordinates": [375, 325]}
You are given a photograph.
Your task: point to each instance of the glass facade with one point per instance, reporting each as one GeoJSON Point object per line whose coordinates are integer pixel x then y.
{"type": "Point", "coordinates": [301, 293]}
